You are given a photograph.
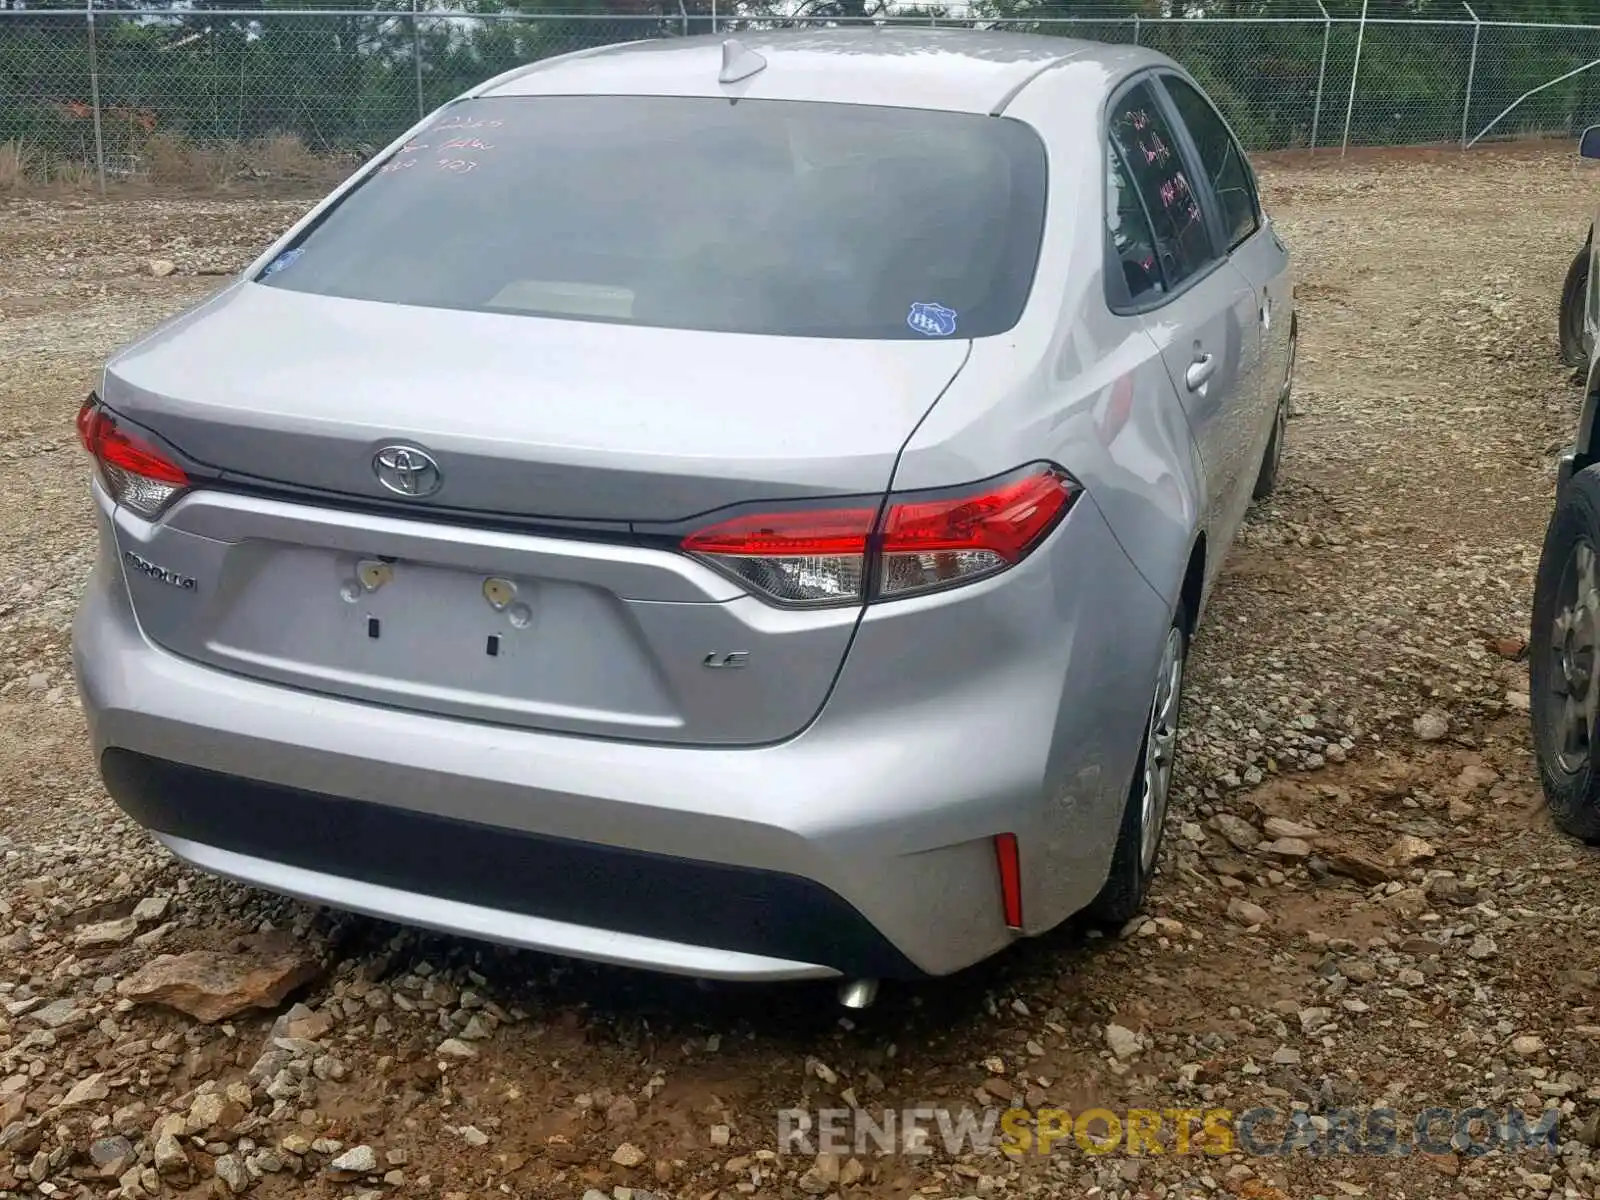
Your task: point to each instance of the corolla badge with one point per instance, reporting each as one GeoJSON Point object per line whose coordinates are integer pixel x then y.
{"type": "Point", "coordinates": [407, 471]}
{"type": "Point", "coordinates": [150, 570]}
{"type": "Point", "coordinates": [932, 320]}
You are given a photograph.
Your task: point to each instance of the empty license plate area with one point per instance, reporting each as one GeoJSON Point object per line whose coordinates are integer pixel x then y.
{"type": "Point", "coordinates": [500, 594]}
{"type": "Point", "coordinates": [443, 638]}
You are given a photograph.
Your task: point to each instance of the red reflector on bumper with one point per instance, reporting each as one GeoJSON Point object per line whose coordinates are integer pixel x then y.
{"type": "Point", "coordinates": [1005, 853]}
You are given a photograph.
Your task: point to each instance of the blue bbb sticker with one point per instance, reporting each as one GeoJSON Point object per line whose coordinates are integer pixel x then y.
{"type": "Point", "coordinates": [282, 261]}
{"type": "Point", "coordinates": [932, 320]}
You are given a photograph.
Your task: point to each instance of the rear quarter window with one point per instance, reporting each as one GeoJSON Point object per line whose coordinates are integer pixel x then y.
{"type": "Point", "coordinates": [1150, 152]}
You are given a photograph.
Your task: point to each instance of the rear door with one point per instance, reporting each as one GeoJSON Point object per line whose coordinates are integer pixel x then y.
{"type": "Point", "coordinates": [1253, 247]}
{"type": "Point", "coordinates": [1201, 313]}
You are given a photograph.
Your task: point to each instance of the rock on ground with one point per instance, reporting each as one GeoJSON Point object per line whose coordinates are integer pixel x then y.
{"type": "Point", "coordinates": [1122, 1042]}
{"type": "Point", "coordinates": [1247, 912]}
{"type": "Point", "coordinates": [358, 1160]}
{"type": "Point", "coordinates": [212, 985]}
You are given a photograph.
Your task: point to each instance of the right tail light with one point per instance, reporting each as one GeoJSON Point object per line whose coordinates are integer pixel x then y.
{"type": "Point", "coordinates": [910, 545]}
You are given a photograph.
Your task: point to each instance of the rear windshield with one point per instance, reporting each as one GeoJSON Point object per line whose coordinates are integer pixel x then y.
{"type": "Point", "coordinates": [774, 217]}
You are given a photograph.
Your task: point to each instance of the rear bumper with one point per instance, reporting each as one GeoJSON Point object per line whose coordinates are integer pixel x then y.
{"type": "Point", "coordinates": [863, 846]}
{"type": "Point", "coordinates": [370, 857]}
{"type": "Point", "coordinates": [495, 925]}
{"type": "Point", "coordinates": [789, 861]}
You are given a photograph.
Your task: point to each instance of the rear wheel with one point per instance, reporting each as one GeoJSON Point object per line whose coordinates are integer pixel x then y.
{"type": "Point", "coordinates": [1564, 658]}
{"type": "Point", "coordinates": [1574, 294]}
{"type": "Point", "coordinates": [1133, 862]}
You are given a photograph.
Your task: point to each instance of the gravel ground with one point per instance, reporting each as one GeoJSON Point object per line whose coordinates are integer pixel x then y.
{"type": "Point", "coordinates": [1361, 902]}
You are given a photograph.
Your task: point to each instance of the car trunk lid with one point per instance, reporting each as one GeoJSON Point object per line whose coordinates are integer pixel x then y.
{"type": "Point", "coordinates": [519, 592]}
{"type": "Point", "coordinates": [527, 417]}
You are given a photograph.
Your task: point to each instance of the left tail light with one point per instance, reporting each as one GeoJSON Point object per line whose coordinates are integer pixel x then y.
{"type": "Point", "coordinates": [135, 474]}
{"type": "Point", "coordinates": [910, 545]}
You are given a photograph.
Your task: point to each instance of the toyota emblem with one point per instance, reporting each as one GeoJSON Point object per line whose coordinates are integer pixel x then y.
{"type": "Point", "coordinates": [407, 471]}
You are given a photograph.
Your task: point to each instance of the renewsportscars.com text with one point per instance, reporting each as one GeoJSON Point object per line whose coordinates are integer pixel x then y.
{"type": "Point", "coordinates": [1261, 1131]}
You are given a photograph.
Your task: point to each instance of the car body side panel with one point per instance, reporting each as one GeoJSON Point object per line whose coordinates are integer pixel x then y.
{"type": "Point", "coordinates": [1084, 387]}
{"type": "Point", "coordinates": [1214, 318]}
{"type": "Point", "coordinates": [1101, 406]}
{"type": "Point", "coordinates": [1254, 266]}
{"type": "Point", "coordinates": [1263, 315]}
{"type": "Point", "coordinates": [1265, 262]}
{"type": "Point", "coordinates": [1076, 610]}
{"type": "Point", "coordinates": [1073, 381]}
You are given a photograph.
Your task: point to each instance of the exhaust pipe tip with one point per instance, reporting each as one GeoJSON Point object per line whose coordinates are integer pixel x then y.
{"type": "Point", "coordinates": [858, 993]}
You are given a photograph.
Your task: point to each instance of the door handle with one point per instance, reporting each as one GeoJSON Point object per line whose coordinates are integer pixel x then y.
{"type": "Point", "coordinates": [1200, 372]}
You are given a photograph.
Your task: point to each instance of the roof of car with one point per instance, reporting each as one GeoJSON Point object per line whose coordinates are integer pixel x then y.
{"type": "Point", "coordinates": [962, 70]}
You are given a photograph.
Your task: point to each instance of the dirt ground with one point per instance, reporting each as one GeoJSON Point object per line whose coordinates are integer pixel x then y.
{"type": "Point", "coordinates": [1425, 941]}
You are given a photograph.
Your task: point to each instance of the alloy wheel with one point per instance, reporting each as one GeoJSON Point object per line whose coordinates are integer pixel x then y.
{"type": "Point", "coordinates": [1575, 649]}
{"type": "Point", "coordinates": [1161, 746]}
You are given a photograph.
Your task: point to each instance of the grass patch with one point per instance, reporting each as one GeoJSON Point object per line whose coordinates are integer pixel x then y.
{"type": "Point", "coordinates": [18, 163]}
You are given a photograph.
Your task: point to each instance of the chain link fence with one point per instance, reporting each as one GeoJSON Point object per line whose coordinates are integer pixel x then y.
{"type": "Point", "coordinates": [104, 90]}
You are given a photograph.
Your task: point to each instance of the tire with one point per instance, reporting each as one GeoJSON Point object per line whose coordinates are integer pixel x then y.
{"type": "Point", "coordinates": [1133, 861]}
{"type": "Point", "coordinates": [1272, 459]}
{"type": "Point", "coordinates": [1574, 295]}
{"type": "Point", "coordinates": [1564, 659]}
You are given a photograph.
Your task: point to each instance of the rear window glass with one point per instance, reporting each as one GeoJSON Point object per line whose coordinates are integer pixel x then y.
{"type": "Point", "coordinates": [772, 217]}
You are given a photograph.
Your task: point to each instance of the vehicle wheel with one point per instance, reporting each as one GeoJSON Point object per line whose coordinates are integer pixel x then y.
{"type": "Point", "coordinates": [1564, 658]}
{"type": "Point", "coordinates": [1133, 862]}
{"type": "Point", "coordinates": [1574, 293]}
{"type": "Point", "coordinates": [1267, 480]}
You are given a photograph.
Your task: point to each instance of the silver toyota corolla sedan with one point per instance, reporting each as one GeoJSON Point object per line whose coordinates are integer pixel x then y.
{"type": "Point", "coordinates": [731, 508]}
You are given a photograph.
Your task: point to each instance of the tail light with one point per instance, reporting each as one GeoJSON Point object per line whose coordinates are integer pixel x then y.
{"type": "Point", "coordinates": [909, 545]}
{"type": "Point", "coordinates": [135, 474]}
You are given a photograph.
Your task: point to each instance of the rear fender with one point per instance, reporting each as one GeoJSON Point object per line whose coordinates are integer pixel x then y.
{"type": "Point", "coordinates": [1583, 448]}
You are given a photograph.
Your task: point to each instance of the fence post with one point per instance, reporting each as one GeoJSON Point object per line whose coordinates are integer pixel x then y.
{"type": "Point", "coordinates": [416, 58]}
{"type": "Point", "coordinates": [1472, 69]}
{"type": "Point", "coordinates": [1135, 29]}
{"type": "Point", "coordinates": [1322, 74]}
{"type": "Point", "coordinates": [94, 100]}
{"type": "Point", "coordinates": [1355, 72]}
